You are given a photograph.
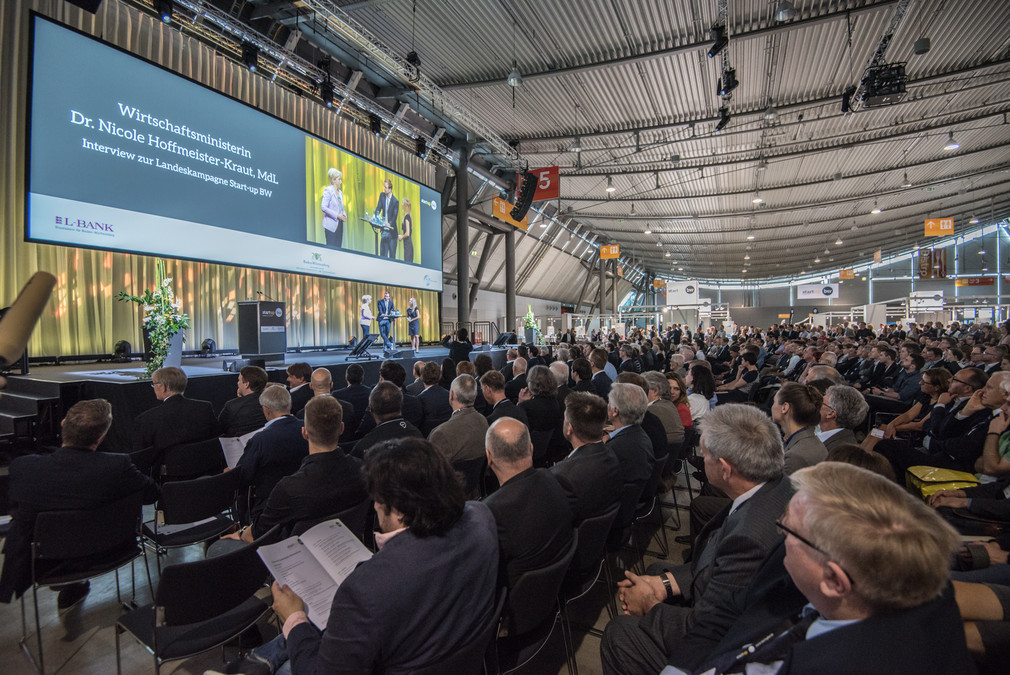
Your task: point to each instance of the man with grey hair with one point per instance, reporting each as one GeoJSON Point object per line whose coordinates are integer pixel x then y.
{"type": "Point", "coordinates": [842, 410]}
{"type": "Point", "coordinates": [461, 437]}
{"type": "Point", "coordinates": [744, 458]}
{"type": "Point", "coordinates": [175, 419]}
{"type": "Point", "coordinates": [518, 381]}
{"type": "Point", "coordinates": [632, 447]}
{"type": "Point", "coordinates": [560, 371]}
{"type": "Point", "coordinates": [819, 371]}
{"type": "Point", "coordinates": [274, 452]}
{"type": "Point", "coordinates": [530, 508]}
{"type": "Point", "coordinates": [664, 408]}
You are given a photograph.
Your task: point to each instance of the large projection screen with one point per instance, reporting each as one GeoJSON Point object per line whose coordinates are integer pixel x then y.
{"type": "Point", "coordinates": [127, 156]}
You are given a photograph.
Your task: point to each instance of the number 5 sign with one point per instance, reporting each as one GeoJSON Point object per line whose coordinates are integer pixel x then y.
{"type": "Point", "coordinates": [548, 186]}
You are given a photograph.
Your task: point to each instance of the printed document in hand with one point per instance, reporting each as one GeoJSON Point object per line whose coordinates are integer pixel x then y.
{"type": "Point", "coordinates": [234, 446]}
{"type": "Point", "coordinates": [315, 564]}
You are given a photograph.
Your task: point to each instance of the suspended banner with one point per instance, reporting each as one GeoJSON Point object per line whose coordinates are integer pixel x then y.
{"type": "Point", "coordinates": [933, 264]}
{"type": "Point", "coordinates": [610, 252]}
{"type": "Point", "coordinates": [936, 227]}
{"type": "Point", "coordinates": [846, 274]}
{"type": "Point", "coordinates": [878, 256]}
{"type": "Point", "coordinates": [502, 209]}
{"type": "Point", "coordinates": [658, 283]}
{"type": "Point", "coordinates": [548, 184]}
{"type": "Point", "coordinates": [816, 291]}
{"type": "Point", "coordinates": [975, 281]}
{"type": "Point", "coordinates": [682, 293]}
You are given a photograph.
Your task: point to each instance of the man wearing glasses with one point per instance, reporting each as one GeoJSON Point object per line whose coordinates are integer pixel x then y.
{"type": "Point", "coordinates": [176, 419]}
{"type": "Point", "coordinates": [862, 580]}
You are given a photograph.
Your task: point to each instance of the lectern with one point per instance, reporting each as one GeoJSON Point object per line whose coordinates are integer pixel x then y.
{"type": "Point", "coordinates": [261, 330]}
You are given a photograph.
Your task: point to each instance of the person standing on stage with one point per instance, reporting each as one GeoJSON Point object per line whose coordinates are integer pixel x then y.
{"type": "Point", "coordinates": [332, 206]}
{"type": "Point", "coordinates": [386, 311]}
{"type": "Point", "coordinates": [387, 209]}
{"type": "Point", "coordinates": [408, 229]}
{"type": "Point", "coordinates": [365, 315]}
{"type": "Point", "coordinates": [414, 324]}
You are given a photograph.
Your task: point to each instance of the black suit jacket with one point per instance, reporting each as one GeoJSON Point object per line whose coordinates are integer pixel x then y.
{"type": "Point", "coordinates": [348, 415]}
{"type": "Point", "coordinates": [435, 402]}
{"type": "Point", "coordinates": [411, 409]}
{"type": "Point", "coordinates": [273, 453]}
{"type": "Point", "coordinates": [514, 386]}
{"type": "Point", "coordinates": [388, 206]}
{"type": "Point", "coordinates": [357, 396]}
{"type": "Point", "coordinates": [506, 408]}
{"type": "Point", "coordinates": [633, 449]}
{"type": "Point", "coordinates": [300, 397]}
{"type": "Point", "coordinates": [240, 416]}
{"type": "Point", "coordinates": [534, 523]}
{"type": "Point", "coordinates": [69, 479]}
{"type": "Point", "coordinates": [175, 420]}
{"type": "Point", "coordinates": [387, 431]}
{"type": "Point", "coordinates": [592, 479]}
{"type": "Point", "coordinates": [602, 383]}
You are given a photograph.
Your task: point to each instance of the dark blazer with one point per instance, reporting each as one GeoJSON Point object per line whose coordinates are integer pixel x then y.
{"type": "Point", "coordinates": [300, 397]}
{"type": "Point", "coordinates": [387, 431]}
{"type": "Point", "coordinates": [802, 449]}
{"type": "Point", "coordinates": [514, 386]}
{"type": "Point", "coordinates": [633, 449]}
{"type": "Point", "coordinates": [356, 395]}
{"type": "Point", "coordinates": [435, 402]}
{"type": "Point", "coordinates": [270, 455]}
{"type": "Point", "coordinates": [240, 416]}
{"type": "Point", "coordinates": [69, 479]}
{"type": "Point", "coordinates": [843, 437]}
{"type": "Point", "coordinates": [534, 523]}
{"type": "Point", "coordinates": [411, 410]}
{"type": "Point", "coordinates": [460, 351]}
{"type": "Point", "coordinates": [592, 479]}
{"type": "Point", "coordinates": [347, 416]}
{"type": "Point", "coordinates": [325, 484]}
{"type": "Point", "coordinates": [506, 370]}
{"type": "Point", "coordinates": [175, 420]}
{"type": "Point", "coordinates": [415, 387]}
{"type": "Point", "coordinates": [413, 603]}
{"type": "Point", "coordinates": [506, 408]}
{"type": "Point", "coordinates": [389, 207]}
{"type": "Point", "coordinates": [602, 383]}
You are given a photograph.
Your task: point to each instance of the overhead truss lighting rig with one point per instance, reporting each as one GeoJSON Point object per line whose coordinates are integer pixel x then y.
{"type": "Point", "coordinates": [882, 83]}
{"type": "Point", "coordinates": [720, 47]}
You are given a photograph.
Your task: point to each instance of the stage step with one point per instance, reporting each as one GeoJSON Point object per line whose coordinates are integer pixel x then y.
{"type": "Point", "coordinates": [10, 422]}
{"type": "Point", "coordinates": [28, 385]}
{"type": "Point", "coordinates": [17, 401]}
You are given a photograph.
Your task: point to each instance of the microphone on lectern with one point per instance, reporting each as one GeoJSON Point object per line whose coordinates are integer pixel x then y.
{"type": "Point", "coordinates": [17, 324]}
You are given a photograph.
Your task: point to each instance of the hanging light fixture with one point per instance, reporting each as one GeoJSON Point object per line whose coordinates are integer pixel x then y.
{"type": "Point", "coordinates": [514, 79]}
{"type": "Point", "coordinates": [785, 11]}
{"type": "Point", "coordinates": [647, 231]}
{"type": "Point", "coordinates": [610, 184]}
{"type": "Point", "coordinates": [839, 242]}
{"type": "Point", "coordinates": [632, 212]}
{"type": "Point", "coordinates": [906, 183]}
{"type": "Point", "coordinates": [876, 209]}
{"type": "Point", "coordinates": [973, 221]}
{"type": "Point", "coordinates": [576, 146]}
{"type": "Point", "coordinates": [757, 199]}
{"type": "Point", "coordinates": [951, 143]}
{"type": "Point", "coordinates": [750, 236]}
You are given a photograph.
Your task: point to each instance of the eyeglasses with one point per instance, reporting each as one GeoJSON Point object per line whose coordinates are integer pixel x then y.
{"type": "Point", "coordinates": [154, 384]}
{"type": "Point", "coordinates": [786, 530]}
{"type": "Point", "coordinates": [961, 381]}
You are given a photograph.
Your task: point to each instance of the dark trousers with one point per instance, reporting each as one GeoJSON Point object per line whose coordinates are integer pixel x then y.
{"type": "Point", "coordinates": [387, 343]}
{"type": "Point", "coordinates": [335, 239]}
{"type": "Point", "coordinates": [387, 245]}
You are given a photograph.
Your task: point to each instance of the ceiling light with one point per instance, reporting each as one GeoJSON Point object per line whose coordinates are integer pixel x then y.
{"type": "Point", "coordinates": [771, 113]}
{"type": "Point", "coordinates": [876, 209]}
{"type": "Point", "coordinates": [668, 254]}
{"type": "Point", "coordinates": [906, 183]}
{"type": "Point", "coordinates": [951, 143]}
{"type": "Point", "coordinates": [632, 212]}
{"type": "Point", "coordinates": [250, 55]}
{"type": "Point", "coordinates": [817, 260]}
{"type": "Point", "coordinates": [985, 269]}
{"type": "Point", "coordinates": [743, 271]}
{"type": "Point", "coordinates": [839, 242]}
{"type": "Point", "coordinates": [576, 145]}
{"type": "Point", "coordinates": [514, 79]}
{"type": "Point", "coordinates": [647, 231]}
{"type": "Point", "coordinates": [757, 198]}
{"type": "Point", "coordinates": [827, 250]}
{"type": "Point", "coordinates": [750, 236]}
{"type": "Point", "coordinates": [973, 221]}
{"type": "Point", "coordinates": [659, 243]}
{"type": "Point", "coordinates": [747, 257]}
{"type": "Point", "coordinates": [981, 251]}
{"type": "Point", "coordinates": [785, 11]}
{"type": "Point", "coordinates": [680, 269]}
{"type": "Point", "coordinates": [728, 82]}
{"type": "Point", "coordinates": [610, 184]}
{"type": "Point", "coordinates": [762, 165]}
{"type": "Point", "coordinates": [326, 93]}
{"type": "Point", "coordinates": [719, 35]}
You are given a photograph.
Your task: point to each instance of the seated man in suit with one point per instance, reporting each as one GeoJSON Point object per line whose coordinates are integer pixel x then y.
{"type": "Point", "coordinates": [298, 385]}
{"type": "Point", "coordinates": [744, 458]}
{"type": "Point", "coordinates": [355, 392]}
{"type": "Point", "coordinates": [582, 375]}
{"type": "Point", "coordinates": [510, 356]}
{"type": "Point", "coordinates": [321, 384]}
{"type": "Point", "coordinates": [74, 477]}
{"type": "Point", "coordinates": [410, 407]}
{"type": "Point", "coordinates": [437, 559]}
{"type": "Point", "coordinates": [417, 386]}
{"type": "Point", "coordinates": [244, 413]}
{"type": "Point", "coordinates": [274, 452]}
{"type": "Point", "coordinates": [842, 410]}
{"type": "Point", "coordinates": [434, 398]}
{"type": "Point", "coordinates": [591, 474]}
{"type": "Point", "coordinates": [601, 380]}
{"type": "Point", "coordinates": [385, 405]}
{"type": "Point", "coordinates": [870, 564]}
{"type": "Point", "coordinates": [492, 384]}
{"type": "Point", "coordinates": [176, 419]}
{"type": "Point", "coordinates": [461, 437]}
{"type": "Point", "coordinates": [530, 508]}
{"type": "Point", "coordinates": [327, 482]}
{"type": "Point", "coordinates": [518, 381]}
{"type": "Point", "coordinates": [632, 447]}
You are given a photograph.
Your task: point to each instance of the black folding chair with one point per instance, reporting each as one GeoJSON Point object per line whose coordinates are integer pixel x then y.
{"type": "Point", "coordinates": [192, 511]}
{"type": "Point", "coordinates": [469, 659]}
{"type": "Point", "coordinates": [472, 472]}
{"type": "Point", "coordinates": [651, 505]}
{"type": "Point", "coordinates": [531, 612]}
{"type": "Point", "coordinates": [191, 460]}
{"type": "Point", "coordinates": [74, 546]}
{"type": "Point", "coordinates": [200, 605]}
{"type": "Point", "coordinates": [359, 519]}
{"type": "Point", "coordinates": [144, 459]}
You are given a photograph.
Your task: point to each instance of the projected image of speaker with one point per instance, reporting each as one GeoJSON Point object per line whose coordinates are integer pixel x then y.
{"type": "Point", "coordinates": [504, 339]}
{"type": "Point", "coordinates": [526, 193]}
{"type": "Point", "coordinates": [361, 351]}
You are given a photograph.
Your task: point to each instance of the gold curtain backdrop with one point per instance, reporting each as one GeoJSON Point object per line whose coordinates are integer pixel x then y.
{"type": "Point", "coordinates": [83, 316]}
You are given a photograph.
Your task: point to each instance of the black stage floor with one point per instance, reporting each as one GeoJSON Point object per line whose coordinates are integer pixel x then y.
{"type": "Point", "coordinates": [122, 384]}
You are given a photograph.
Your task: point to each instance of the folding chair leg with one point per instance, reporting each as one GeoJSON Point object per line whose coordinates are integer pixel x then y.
{"type": "Point", "coordinates": [566, 631]}
{"type": "Point", "coordinates": [38, 631]}
{"type": "Point", "coordinates": [119, 663]}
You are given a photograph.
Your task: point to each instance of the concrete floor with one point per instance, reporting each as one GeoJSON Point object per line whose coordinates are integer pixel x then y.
{"type": "Point", "coordinates": [82, 641]}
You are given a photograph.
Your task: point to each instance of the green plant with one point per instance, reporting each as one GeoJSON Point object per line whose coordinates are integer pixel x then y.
{"type": "Point", "coordinates": [162, 318]}
{"type": "Point", "coordinates": [530, 321]}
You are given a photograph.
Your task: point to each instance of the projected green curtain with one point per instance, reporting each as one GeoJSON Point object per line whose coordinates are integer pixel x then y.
{"type": "Point", "coordinates": [83, 316]}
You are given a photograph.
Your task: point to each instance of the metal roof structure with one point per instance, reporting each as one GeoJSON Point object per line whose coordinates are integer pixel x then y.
{"type": "Point", "coordinates": [624, 92]}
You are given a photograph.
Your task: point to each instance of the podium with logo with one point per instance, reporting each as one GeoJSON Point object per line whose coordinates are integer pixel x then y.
{"type": "Point", "coordinates": [262, 331]}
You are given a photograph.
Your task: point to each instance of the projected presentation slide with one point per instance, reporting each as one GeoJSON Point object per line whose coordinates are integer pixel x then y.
{"type": "Point", "coordinates": [126, 156]}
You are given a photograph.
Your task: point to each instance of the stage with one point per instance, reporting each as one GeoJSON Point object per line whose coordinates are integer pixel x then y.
{"type": "Point", "coordinates": [47, 391]}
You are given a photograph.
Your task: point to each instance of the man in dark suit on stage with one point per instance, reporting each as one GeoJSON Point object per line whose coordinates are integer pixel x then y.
{"type": "Point", "coordinates": [176, 419]}
{"type": "Point", "coordinates": [387, 210]}
{"type": "Point", "coordinates": [298, 385]}
{"type": "Point", "coordinates": [492, 384]}
{"type": "Point", "coordinates": [385, 309]}
{"type": "Point", "coordinates": [745, 459]}
{"type": "Point", "coordinates": [434, 399]}
{"type": "Point", "coordinates": [591, 474]}
{"type": "Point", "coordinates": [530, 508]}
{"type": "Point", "coordinates": [244, 413]}
{"type": "Point", "coordinates": [74, 477]}
{"type": "Point", "coordinates": [274, 452]}
{"type": "Point", "coordinates": [385, 408]}
{"type": "Point", "coordinates": [355, 393]}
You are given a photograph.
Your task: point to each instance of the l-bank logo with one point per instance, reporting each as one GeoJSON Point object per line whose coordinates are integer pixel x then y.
{"type": "Point", "coordinates": [84, 225]}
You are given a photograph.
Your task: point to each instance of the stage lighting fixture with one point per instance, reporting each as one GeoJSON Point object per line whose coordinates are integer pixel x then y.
{"type": "Point", "coordinates": [719, 35]}
{"type": "Point", "coordinates": [326, 93]}
{"type": "Point", "coordinates": [413, 59]}
{"type": "Point", "coordinates": [728, 82]}
{"type": "Point", "coordinates": [208, 347]}
{"type": "Point", "coordinates": [762, 165]}
{"type": "Point", "coordinates": [375, 124]}
{"type": "Point", "coordinates": [951, 143]}
{"type": "Point", "coordinates": [847, 99]}
{"type": "Point", "coordinates": [884, 85]}
{"type": "Point", "coordinates": [422, 147]}
{"type": "Point", "coordinates": [164, 8]}
{"type": "Point", "coordinates": [250, 55]}
{"type": "Point", "coordinates": [723, 119]}
{"type": "Point", "coordinates": [785, 11]}
{"type": "Point", "coordinates": [921, 46]}
{"type": "Point", "coordinates": [122, 351]}
{"type": "Point", "coordinates": [514, 79]}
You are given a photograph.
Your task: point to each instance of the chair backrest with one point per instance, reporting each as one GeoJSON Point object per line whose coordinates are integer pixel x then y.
{"type": "Point", "coordinates": [630, 494]}
{"type": "Point", "coordinates": [472, 471]}
{"type": "Point", "coordinates": [187, 501]}
{"type": "Point", "coordinates": [592, 533]}
{"type": "Point", "coordinates": [469, 659]}
{"type": "Point", "coordinates": [200, 590]}
{"type": "Point", "coordinates": [652, 485]}
{"type": "Point", "coordinates": [63, 535]}
{"type": "Point", "coordinates": [144, 459]}
{"type": "Point", "coordinates": [192, 460]}
{"type": "Point", "coordinates": [357, 519]}
{"type": "Point", "coordinates": [534, 597]}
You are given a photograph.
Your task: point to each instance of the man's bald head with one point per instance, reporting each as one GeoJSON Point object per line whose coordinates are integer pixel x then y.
{"type": "Point", "coordinates": [321, 381]}
{"type": "Point", "coordinates": [519, 366]}
{"type": "Point", "coordinates": [508, 443]}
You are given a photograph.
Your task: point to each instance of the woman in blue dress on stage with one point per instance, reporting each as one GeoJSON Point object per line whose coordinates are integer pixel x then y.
{"type": "Point", "coordinates": [408, 229]}
{"type": "Point", "coordinates": [414, 324]}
